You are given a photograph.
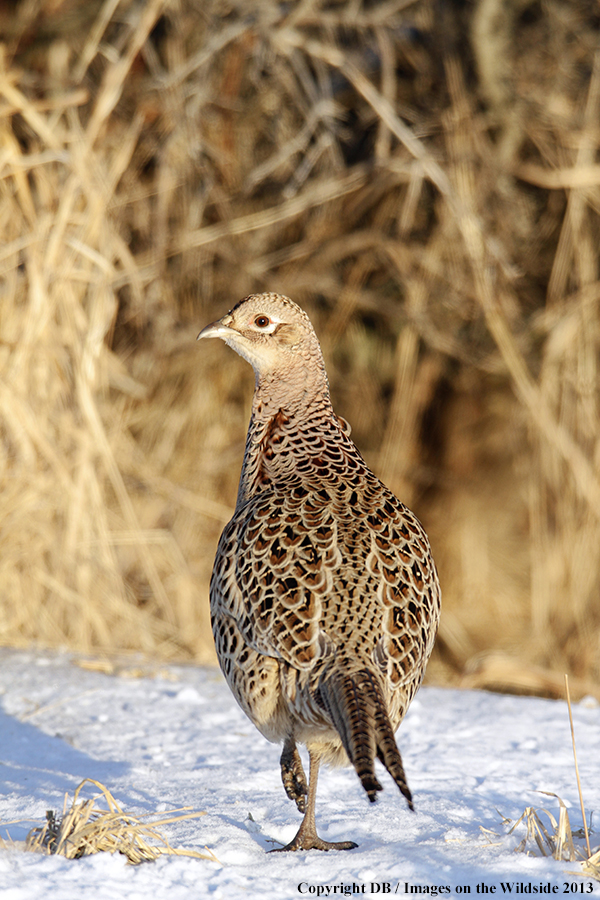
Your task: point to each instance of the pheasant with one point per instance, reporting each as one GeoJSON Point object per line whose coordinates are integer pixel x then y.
{"type": "Point", "coordinates": [324, 595]}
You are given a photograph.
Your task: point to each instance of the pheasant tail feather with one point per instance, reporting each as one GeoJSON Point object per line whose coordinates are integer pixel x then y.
{"type": "Point", "coordinates": [358, 711]}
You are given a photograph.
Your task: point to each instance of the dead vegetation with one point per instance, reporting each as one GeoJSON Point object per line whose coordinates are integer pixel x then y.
{"type": "Point", "coordinates": [555, 838]}
{"type": "Point", "coordinates": [423, 177]}
{"type": "Point", "coordinates": [84, 828]}
{"type": "Point", "coordinates": [546, 836]}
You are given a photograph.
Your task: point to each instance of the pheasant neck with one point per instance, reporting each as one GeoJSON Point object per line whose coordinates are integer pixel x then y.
{"type": "Point", "coordinates": [278, 435]}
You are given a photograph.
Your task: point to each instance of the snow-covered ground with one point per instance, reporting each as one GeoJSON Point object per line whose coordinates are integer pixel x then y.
{"type": "Point", "coordinates": [176, 738]}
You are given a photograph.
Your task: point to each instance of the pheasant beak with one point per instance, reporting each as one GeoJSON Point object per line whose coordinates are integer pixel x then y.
{"type": "Point", "coordinates": [218, 329]}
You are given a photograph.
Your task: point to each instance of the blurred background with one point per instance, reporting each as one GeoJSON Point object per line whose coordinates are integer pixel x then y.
{"type": "Point", "coordinates": [423, 177]}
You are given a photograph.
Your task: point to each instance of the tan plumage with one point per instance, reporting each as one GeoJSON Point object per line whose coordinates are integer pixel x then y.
{"type": "Point", "coordinates": [324, 596]}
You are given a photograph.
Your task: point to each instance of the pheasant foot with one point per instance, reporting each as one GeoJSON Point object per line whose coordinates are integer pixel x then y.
{"type": "Point", "coordinates": [307, 837]}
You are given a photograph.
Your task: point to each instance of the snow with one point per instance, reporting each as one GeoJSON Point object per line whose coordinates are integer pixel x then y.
{"type": "Point", "coordinates": [175, 738]}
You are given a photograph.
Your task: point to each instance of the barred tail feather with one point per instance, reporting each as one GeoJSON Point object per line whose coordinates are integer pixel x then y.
{"type": "Point", "coordinates": [358, 711]}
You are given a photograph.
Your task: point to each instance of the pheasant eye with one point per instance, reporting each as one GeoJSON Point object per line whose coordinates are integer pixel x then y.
{"type": "Point", "coordinates": [262, 321]}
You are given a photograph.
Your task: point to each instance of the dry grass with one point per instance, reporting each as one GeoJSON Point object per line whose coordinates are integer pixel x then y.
{"type": "Point", "coordinates": [85, 828]}
{"type": "Point", "coordinates": [556, 842]}
{"type": "Point", "coordinates": [425, 184]}
{"type": "Point", "coordinates": [556, 839]}
{"type": "Point", "coordinates": [553, 838]}
{"type": "Point", "coordinates": [591, 866]}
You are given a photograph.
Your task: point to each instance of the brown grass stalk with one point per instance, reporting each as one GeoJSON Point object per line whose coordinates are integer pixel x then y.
{"type": "Point", "coordinates": [585, 828]}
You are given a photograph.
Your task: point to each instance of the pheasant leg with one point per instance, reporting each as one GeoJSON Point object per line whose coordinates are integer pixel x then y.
{"type": "Point", "coordinates": [307, 837]}
{"type": "Point", "coordinates": [292, 774]}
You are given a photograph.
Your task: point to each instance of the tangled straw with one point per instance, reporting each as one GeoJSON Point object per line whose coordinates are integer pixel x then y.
{"type": "Point", "coordinates": [84, 829]}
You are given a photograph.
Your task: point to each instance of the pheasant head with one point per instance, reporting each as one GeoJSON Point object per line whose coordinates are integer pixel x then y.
{"type": "Point", "coordinates": [276, 337]}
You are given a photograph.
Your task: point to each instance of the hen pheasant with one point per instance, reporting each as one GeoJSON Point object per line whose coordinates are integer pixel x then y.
{"type": "Point", "coordinates": [324, 596]}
